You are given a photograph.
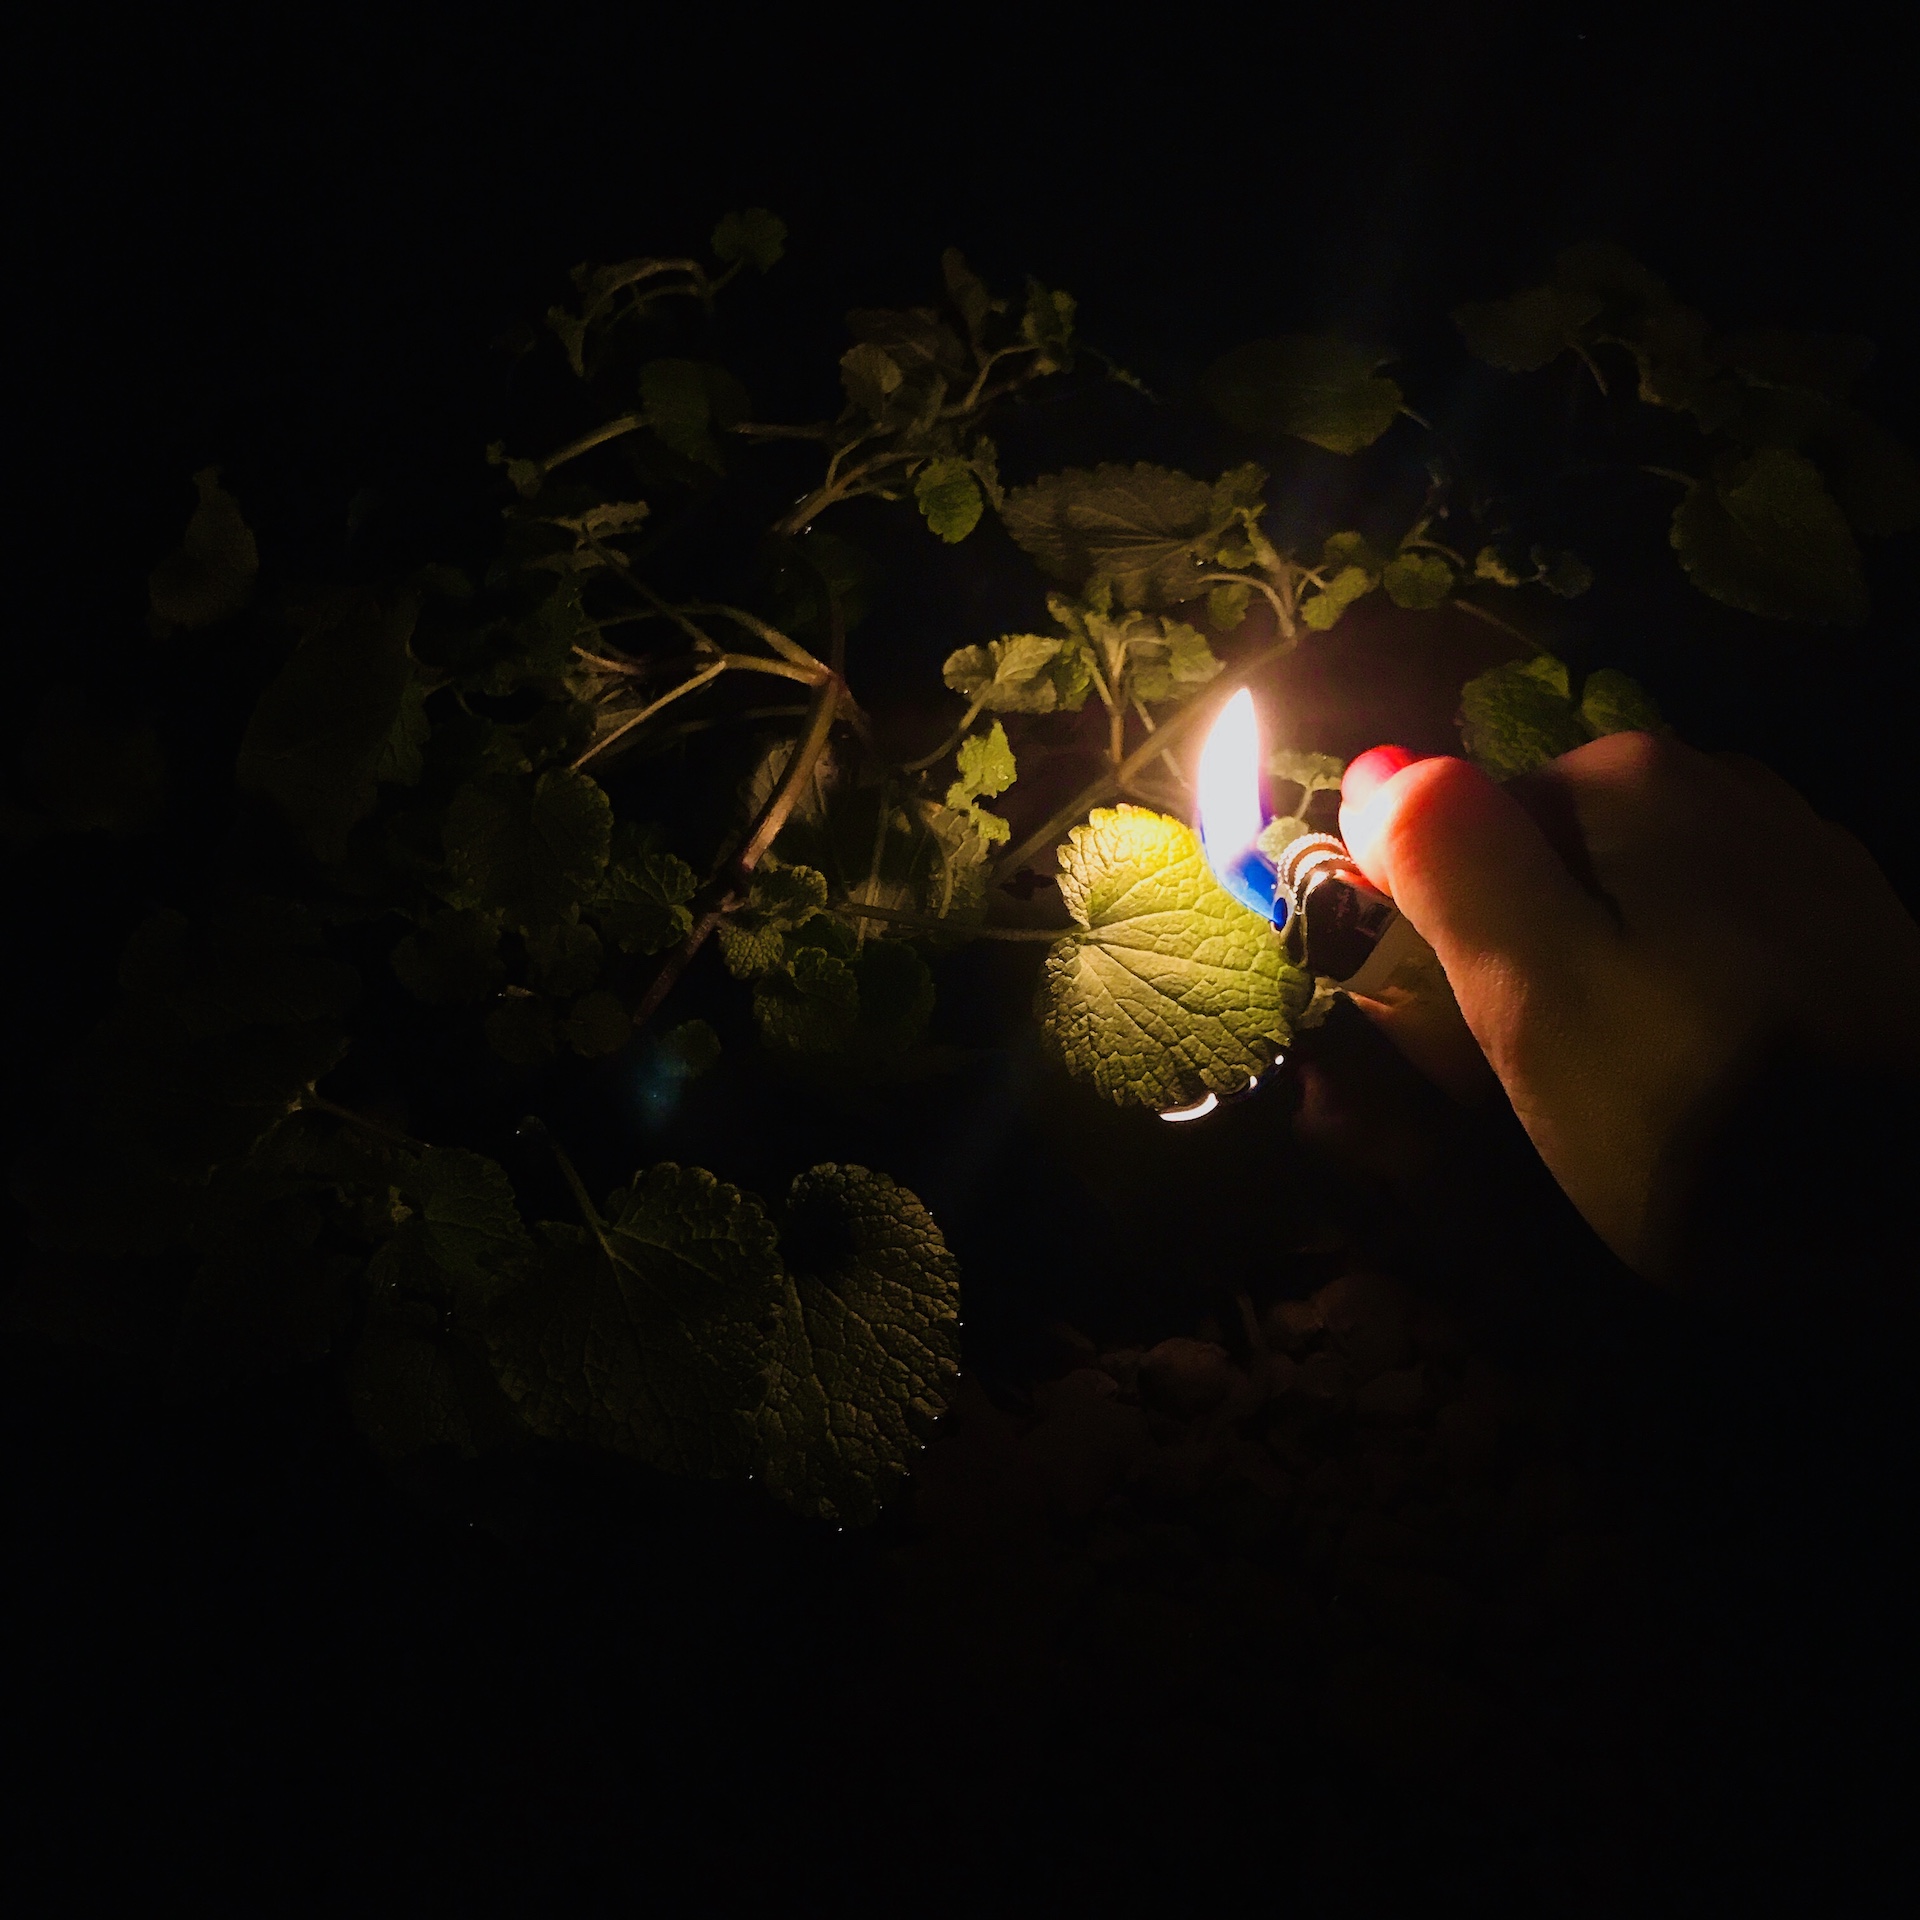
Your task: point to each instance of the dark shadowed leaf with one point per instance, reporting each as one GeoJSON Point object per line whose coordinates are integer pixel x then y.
{"type": "Point", "coordinates": [651, 1336]}
{"type": "Point", "coordinates": [1766, 536]}
{"type": "Point", "coordinates": [210, 576]}
{"type": "Point", "coordinates": [1137, 527]}
{"type": "Point", "coordinates": [868, 1345]}
{"type": "Point", "coordinates": [322, 733]}
{"type": "Point", "coordinates": [1316, 387]}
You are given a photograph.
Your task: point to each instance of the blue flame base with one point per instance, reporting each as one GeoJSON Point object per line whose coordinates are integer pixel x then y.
{"type": "Point", "coordinates": [1250, 877]}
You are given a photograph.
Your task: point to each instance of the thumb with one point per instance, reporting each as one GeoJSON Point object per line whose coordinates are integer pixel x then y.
{"type": "Point", "coordinates": [1465, 863]}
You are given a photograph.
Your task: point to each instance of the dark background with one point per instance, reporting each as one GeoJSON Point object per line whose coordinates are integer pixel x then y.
{"type": "Point", "coordinates": [294, 244]}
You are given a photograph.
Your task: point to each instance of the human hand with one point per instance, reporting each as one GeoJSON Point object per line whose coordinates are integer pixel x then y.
{"type": "Point", "coordinates": [1631, 933]}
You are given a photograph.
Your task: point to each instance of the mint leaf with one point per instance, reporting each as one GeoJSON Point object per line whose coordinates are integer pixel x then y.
{"type": "Point", "coordinates": [1227, 606]}
{"type": "Point", "coordinates": [640, 903]}
{"type": "Point", "coordinates": [1526, 332]}
{"type": "Point", "coordinates": [1518, 716]}
{"type": "Point", "coordinates": [1171, 664]}
{"type": "Point", "coordinates": [809, 1005]}
{"type": "Point", "coordinates": [871, 377]}
{"type": "Point", "coordinates": [685, 402]}
{"type": "Point", "coordinates": [323, 731]}
{"type": "Point", "coordinates": [868, 1345]}
{"type": "Point", "coordinates": [949, 499]}
{"type": "Point", "coordinates": [986, 767]}
{"type": "Point", "coordinates": [651, 1336]}
{"type": "Point", "coordinates": [1173, 989]}
{"type": "Point", "coordinates": [1417, 580]}
{"type": "Point", "coordinates": [529, 852]}
{"type": "Point", "coordinates": [1140, 528]}
{"type": "Point", "coordinates": [1018, 674]}
{"type": "Point", "coordinates": [1612, 703]}
{"type": "Point", "coordinates": [211, 574]}
{"type": "Point", "coordinates": [1311, 772]}
{"type": "Point", "coordinates": [753, 235]}
{"type": "Point", "coordinates": [1047, 326]}
{"type": "Point", "coordinates": [451, 959]}
{"type": "Point", "coordinates": [1324, 608]}
{"type": "Point", "coordinates": [967, 291]}
{"type": "Point", "coordinates": [465, 1221]}
{"type": "Point", "coordinates": [780, 899]}
{"type": "Point", "coordinates": [1766, 536]}
{"type": "Point", "coordinates": [1316, 387]}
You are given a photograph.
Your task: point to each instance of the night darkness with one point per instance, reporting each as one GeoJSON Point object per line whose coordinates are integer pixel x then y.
{"type": "Point", "coordinates": [249, 1667]}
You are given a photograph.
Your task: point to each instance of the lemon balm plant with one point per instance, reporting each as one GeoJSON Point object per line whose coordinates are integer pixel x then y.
{"type": "Point", "coordinates": [451, 789]}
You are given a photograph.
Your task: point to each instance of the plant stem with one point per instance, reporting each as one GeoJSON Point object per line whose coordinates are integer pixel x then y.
{"type": "Point", "coordinates": [799, 770]}
{"type": "Point", "coordinates": [1171, 732]}
{"type": "Point", "coordinates": [771, 430]}
{"type": "Point", "coordinates": [646, 713]}
{"type": "Point", "coordinates": [1494, 620]}
{"type": "Point", "coordinates": [947, 745]}
{"type": "Point", "coordinates": [781, 643]}
{"type": "Point", "coordinates": [860, 910]}
{"type": "Point", "coordinates": [627, 423]}
{"type": "Point", "coordinates": [312, 1102]}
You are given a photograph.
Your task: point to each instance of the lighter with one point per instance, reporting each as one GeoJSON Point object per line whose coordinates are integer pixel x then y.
{"type": "Point", "coordinates": [1329, 918]}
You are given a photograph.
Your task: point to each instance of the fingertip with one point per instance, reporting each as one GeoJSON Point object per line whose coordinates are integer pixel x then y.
{"type": "Point", "coordinates": [1367, 774]}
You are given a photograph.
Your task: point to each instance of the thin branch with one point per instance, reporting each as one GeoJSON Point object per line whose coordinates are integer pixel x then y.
{"type": "Point", "coordinates": [860, 910]}
{"type": "Point", "coordinates": [646, 713]}
{"type": "Point", "coordinates": [611, 663]}
{"type": "Point", "coordinates": [1171, 731]}
{"type": "Point", "coordinates": [1281, 612]}
{"type": "Point", "coordinates": [1494, 620]}
{"type": "Point", "coordinates": [312, 1102]}
{"type": "Point", "coordinates": [761, 630]}
{"type": "Point", "coordinates": [799, 770]}
{"type": "Point", "coordinates": [1592, 366]}
{"type": "Point", "coordinates": [704, 641]}
{"type": "Point", "coordinates": [768, 430]}
{"type": "Point", "coordinates": [627, 423]}
{"type": "Point", "coordinates": [947, 745]}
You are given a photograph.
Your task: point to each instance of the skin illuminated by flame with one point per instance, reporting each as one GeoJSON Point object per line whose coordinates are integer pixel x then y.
{"type": "Point", "coordinates": [1230, 819]}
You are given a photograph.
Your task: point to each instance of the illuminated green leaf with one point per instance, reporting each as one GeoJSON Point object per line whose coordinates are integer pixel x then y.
{"type": "Point", "coordinates": [1172, 989]}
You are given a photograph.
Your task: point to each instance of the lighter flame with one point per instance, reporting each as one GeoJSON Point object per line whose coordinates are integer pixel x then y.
{"type": "Point", "coordinates": [1230, 818]}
